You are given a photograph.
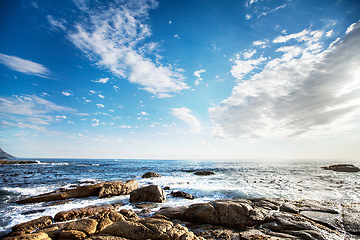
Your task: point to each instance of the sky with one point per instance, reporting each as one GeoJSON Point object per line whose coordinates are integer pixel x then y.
{"type": "Point", "coordinates": [180, 79]}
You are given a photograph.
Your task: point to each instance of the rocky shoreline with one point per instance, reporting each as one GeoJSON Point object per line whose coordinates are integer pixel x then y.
{"type": "Point", "coordinates": [246, 219]}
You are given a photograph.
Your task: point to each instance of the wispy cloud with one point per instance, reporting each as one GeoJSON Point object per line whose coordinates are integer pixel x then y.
{"type": "Point", "coordinates": [113, 36]}
{"type": "Point", "coordinates": [24, 66]}
{"type": "Point", "coordinates": [29, 111]}
{"type": "Point", "coordinates": [306, 91]}
{"type": "Point", "coordinates": [101, 80]}
{"type": "Point", "coordinates": [184, 114]}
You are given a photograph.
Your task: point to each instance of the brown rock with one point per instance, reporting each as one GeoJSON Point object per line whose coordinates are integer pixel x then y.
{"type": "Point", "coordinates": [78, 192]}
{"type": "Point", "coordinates": [127, 229]}
{"type": "Point", "coordinates": [151, 175]}
{"type": "Point", "coordinates": [82, 212]}
{"type": "Point", "coordinates": [72, 234]}
{"type": "Point", "coordinates": [150, 193]}
{"type": "Point", "coordinates": [85, 225]}
{"type": "Point", "coordinates": [172, 212]}
{"type": "Point", "coordinates": [30, 226]}
{"type": "Point", "coordinates": [105, 237]}
{"type": "Point", "coordinates": [182, 194]}
{"type": "Point", "coordinates": [107, 218]}
{"type": "Point", "coordinates": [117, 188]}
{"type": "Point", "coordinates": [32, 236]}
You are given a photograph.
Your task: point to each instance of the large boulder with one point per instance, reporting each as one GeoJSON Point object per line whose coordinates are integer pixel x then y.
{"type": "Point", "coordinates": [225, 213]}
{"type": "Point", "coordinates": [31, 236]}
{"type": "Point", "coordinates": [152, 193]}
{"type": "Point", "coordinates": [116, 188]}
{"type": "Point", "coordinates": [351, 216]}
{"type": "Point", "coordinates": [151, 175]}
{"type": "Point", "coordinates": [342, 168]}
{"type": "Point", "coordinates": [85, 225]}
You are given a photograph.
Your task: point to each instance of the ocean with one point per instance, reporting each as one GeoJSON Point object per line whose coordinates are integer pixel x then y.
{"type": "Point", "coordinates": [290, 179]}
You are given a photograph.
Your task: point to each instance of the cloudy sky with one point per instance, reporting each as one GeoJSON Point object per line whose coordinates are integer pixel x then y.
{"type": "Point", "coordinates": [182, 79]}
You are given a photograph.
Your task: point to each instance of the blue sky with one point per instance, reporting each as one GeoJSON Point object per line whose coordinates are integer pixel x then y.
{"type": "Point", "coordinates": [255, 79]}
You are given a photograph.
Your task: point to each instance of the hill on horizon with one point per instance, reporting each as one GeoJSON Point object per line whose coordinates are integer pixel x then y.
{"type": "Point", "coordinates": [5, 155]}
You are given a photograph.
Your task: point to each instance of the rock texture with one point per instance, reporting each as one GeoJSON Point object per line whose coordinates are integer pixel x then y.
{"type": "Point", "coordinates": [5, 155]}
{"type": "Point", "coordinates": [342, 168]}
{"type": "Point", "coordinates": [150, 193]}
{"type": "Point", "coordinates": [106, 189]}
{"type": "Point", "coordinates": [242, 219]}
{"type": "Point", "coordinates": [151, 175]}
{"type": "Point", "coordinates": [117, 188]}
{"type": "Point", "coordinates": [182, 194]}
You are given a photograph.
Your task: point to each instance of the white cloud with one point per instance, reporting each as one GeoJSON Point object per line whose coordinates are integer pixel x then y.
{"type": "Point", "coordinates": [29, 111]}
{"type": "Point", "coordinates": [329, 33]}
{"type": "Point", "coordinates": [197, 74]}
{"type": "Point", "coordinates": [55, 24]}
{"type": "Point", "coordinates": [184, 114]}
{"type": "Point", "coordinates": [101, 96]}
{"type": "Point", "coordinates": [170, 22]}
{"type": "Point", "coordinates": [301, 36]}
{"type": "Point", "coordinates": [113, 36]}
{"type": "Point", "coordinates": [177, 36]}
{"type": "Point", "coordinates": [243, 67]}
{"type": "Point", "coordinates": [24, 66]}
{"type": "Point", "coordinates": [101, 80]}
{"type": "Point", "coordinates": [92, 91]}
{"type": "Point", "coordinates": [67, 93]}
{"type": "Point", "coordinates": [99, 105]}
{"type": "Point", "coordinates": [247, 16]}
{"type": "Point", "coordinates": [249, 54]}
{"type": "Point", "coordinates": [302, 93]}
{"type": "Point", "coordinates": [143, 113]}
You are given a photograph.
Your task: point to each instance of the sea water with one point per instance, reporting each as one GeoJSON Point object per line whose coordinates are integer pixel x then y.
{"type": "Point", "coordinates": [290, 179]}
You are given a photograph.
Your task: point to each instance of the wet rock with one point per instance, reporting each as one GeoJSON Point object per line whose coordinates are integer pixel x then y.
{"type": "Point", "coordinates": [204, 173]}
{"type": "Point", "coordinates": [79, 192]}
{"type": "Point", "coordinates": [167, 188]}
{"type": "Point", "coordinates": [253, 234]}
{"type": "Point", "coordinates": [30, 226]}
{"type": "Point", "coordinates": [145, 205]}
{"type": "Point", "coordinates": [313, 205]}
{"type": "Point", "coordinates": [151, 175]}
{"type": "Point", "coordinates": [150, 193]}
{"type": "Point", "coordinates": [117, 188]}
{"type": "Point", "coordinates": [342, 168]}
{"type": "Point", "coordinates": [105, 237]}
{"type": "Point", "coordinates": [182, 194]}
{"type": "Point", "coordinates": [106, 218]}
{"type": "Point", "coordinates": [33, 211]}
{"type": "Point", "coordinates": [82, 212]}
{"type": "Point", "coordinates": [351, 216]}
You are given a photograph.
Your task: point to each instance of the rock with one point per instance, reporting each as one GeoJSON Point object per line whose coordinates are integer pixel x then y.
{"type": "Point", "coordinates": [128, 229]}
{"type": "Point", "coordinates": [107, 218]}
{"type": "Point", "coordinates": [105, 237]}
{"type": "Point", "coordinates": [32, 236]}
{"type": "Point", "coordinates": [167, 188]}
{"type": "Point", "coordinates": [204, 173]}
{"type": "Point", "coordinates": [86, 225]}
{"type": "Point", "coordinates": [5, 155]}
{"type": "Point", "coordinates": [313, 205]}
{"type": "Point", "coordinates": [82, 212]}
{"type": "Point", "coordinates": [172, 212]}
{"type": "Point", "coordinates": [330, 220]}
{"type": "Point", "coordinates": [288, 207]}
{"type": "Point", "coordinates": [7, 162]}
{"type": "Point", "coordinates": [151, 175]}
{"type": "Point", "coordinates": [253, 234]}
{"type": "Point", "coordinates": [79, 192]}
{"type": "Point", "coordinates": [30, 226]}
{"type": "Point", "coordinates": [342, 168]}
{"type": "Point", "coordinates": [72, 234]}
{"type": "Point", "coordinates": [117, 188]}
{"type": "Point", "coordinates": [351, 216]}
{"type": "Point", "coordinates": [182, 194]}
{"type": "Point", "coordinates": [150, 193]}
{"type": "Point", "coordinates": [224, 213]}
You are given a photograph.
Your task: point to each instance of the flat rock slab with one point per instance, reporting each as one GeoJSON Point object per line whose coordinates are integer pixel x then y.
{"type": "Point", "coordinates": [351, 218]}
{"type": "Point", "coordinates": [330, 220]}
